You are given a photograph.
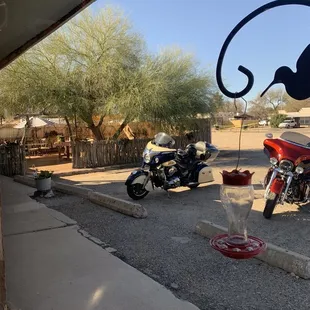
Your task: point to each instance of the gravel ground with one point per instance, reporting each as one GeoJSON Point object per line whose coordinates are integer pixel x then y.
{"type": "Point", "coordinates": [165, 247]}
{"type": "Point", "coordinates": [289, 227]}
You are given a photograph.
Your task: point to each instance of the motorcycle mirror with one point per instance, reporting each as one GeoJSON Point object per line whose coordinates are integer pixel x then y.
{"type": "Point", "coordinates": [269, 135]}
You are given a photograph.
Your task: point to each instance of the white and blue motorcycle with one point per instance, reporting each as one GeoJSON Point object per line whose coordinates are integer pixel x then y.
{"type": "Point", "coordinates": [167, 168]}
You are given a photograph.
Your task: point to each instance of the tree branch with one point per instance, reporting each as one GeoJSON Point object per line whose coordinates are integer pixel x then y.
{"type": "Point", "coordinates": [69, 128]}
{"type": "Point", "coordinates": [101, 121]}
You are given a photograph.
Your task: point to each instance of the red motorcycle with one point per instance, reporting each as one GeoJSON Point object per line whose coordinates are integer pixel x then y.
{"type": "Point", "coordinates": [288, 179]}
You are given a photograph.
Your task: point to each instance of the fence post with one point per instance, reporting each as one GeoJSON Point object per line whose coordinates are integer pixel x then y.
{"type": "Point", "coordinates": [12, 160]}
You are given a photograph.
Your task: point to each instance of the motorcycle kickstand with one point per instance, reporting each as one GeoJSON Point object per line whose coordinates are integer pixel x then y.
{"type": "Point", "coordinates": [168, 194]}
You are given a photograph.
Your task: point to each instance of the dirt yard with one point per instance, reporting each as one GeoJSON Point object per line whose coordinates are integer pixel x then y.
{"type": "Point", "coordinates": [251, 139]}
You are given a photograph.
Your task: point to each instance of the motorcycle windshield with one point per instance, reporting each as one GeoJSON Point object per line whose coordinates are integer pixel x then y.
{"type": "Point", "coordinates": [296, 137]}
{"type": "Point", "coordinates": [164, 140]}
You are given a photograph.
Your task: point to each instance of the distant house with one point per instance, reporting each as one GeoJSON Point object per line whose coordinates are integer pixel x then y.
{"type": "Point", "coordinates": [222, 118]}
{"type": "Point", "coordinates": [302, 117]}
{"type": "Point", "coordinates": [243, 119]}
{"type": "Point", "coordinates": [243, 116]}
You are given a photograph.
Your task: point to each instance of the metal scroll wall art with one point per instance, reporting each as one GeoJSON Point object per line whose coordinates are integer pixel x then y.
{"type": "Point", "coordinates": [297, 84]}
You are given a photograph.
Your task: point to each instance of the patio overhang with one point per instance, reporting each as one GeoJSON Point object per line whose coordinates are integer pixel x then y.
{"type": "Point", "coordinates": [25, 23]}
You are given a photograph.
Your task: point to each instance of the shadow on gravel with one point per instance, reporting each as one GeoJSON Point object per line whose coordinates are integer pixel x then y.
{"type": "Point", "coordinates": [253, 158]}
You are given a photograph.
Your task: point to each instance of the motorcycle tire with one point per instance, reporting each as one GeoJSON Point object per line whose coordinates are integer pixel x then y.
{"type": "Point", "coordinates": [136, 192]}
{"type": "Point", "coordinates": [270, 204]}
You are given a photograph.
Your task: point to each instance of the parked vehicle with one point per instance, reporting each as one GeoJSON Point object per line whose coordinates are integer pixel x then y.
{"type": "Point", "coordinates": [288, 179]}
{"type": "Point", "coordinates": [263, 123]}
{"type": "Point", "coordinates": [288, 123]}
{"type": "Point", "coordinates": [167, 168]}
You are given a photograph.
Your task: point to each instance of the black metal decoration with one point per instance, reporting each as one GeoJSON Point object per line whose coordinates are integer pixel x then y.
{"type": "Point", "coordinates": [297, 84]}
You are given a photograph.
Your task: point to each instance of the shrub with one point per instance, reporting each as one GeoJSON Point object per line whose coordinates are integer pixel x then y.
{"type": "Point", "coordinates": [277, 119]}
{"type": "Point", "coordinates": [43, 174]}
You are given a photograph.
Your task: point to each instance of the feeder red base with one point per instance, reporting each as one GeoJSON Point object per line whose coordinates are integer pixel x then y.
{"type": "Point", "coordinates": [253, 247]}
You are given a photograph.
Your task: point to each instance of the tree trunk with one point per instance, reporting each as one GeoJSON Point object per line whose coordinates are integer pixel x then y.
{"type": "Point", "coordinates": [121, 127]}
{"type": "Point", "coordinates": [96, 130]}
{"type": "Point", "coordinates": [75, 127]}
{"type": "Point", "coordinates": [27, 125]}
{"type": "Point", "coordinates": [69, 128]}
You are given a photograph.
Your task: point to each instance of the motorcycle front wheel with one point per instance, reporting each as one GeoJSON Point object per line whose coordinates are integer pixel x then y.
{"type": "Point", "coordinates": [193, 186]}
{"type": "Point", "coordinates": [136, 191]}
{"type": "Point", "coordinates": [271, 202]}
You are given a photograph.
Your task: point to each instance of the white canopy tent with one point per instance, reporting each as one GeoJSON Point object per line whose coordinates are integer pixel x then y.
{"type": "Point", "coordinates": [35, 122]}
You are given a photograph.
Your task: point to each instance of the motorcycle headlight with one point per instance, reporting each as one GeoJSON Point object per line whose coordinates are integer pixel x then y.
{"type": "Point", "coordinates": [156, 160]}
{"type": "Point", "coordinates": [273, 161]}
{"type": "Point", "coordinates": [147, 158]}
{"type": "Point", "coordinates": [299, 170]}
{"type": "Point", "coordinates": [286, 165]}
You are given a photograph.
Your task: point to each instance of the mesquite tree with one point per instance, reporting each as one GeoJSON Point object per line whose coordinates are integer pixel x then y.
{"type": "Point", "coordinates": [96, 65]}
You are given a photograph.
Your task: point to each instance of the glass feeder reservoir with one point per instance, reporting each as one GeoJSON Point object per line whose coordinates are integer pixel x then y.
{"type": "Point", "coordinates": [237, 196]}
{"type": "Point", "coordinates": [237, 202]}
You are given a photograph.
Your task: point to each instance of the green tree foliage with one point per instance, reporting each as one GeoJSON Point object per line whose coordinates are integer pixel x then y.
{"type": "Point", "coordinates": [218, 101]}
{"type": "Point", "coordinates": [96, 65]}
{"type": "Point", "coordinates": [270, 103]}
{"type": "Point", "coordinates": [276, 119]}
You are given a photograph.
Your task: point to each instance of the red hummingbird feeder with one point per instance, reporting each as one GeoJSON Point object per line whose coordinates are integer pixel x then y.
{"type": "Point", "coordinates": [237, 196]}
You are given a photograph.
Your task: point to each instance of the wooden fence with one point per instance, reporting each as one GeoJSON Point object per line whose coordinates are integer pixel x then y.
{"type": "Point", "coordinates": [12, 160]}
{"type": "Point", "coordinates": [109, 153]}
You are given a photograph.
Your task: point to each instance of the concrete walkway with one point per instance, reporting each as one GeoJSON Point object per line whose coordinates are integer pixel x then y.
{"type": "Point", "coordinates": [51, 266]}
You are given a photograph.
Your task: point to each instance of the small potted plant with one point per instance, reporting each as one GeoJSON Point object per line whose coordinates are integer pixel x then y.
{"type": "Point", "coordinates": [43, 180]}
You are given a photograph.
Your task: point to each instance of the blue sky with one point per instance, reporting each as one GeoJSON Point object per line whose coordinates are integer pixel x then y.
{"type": "Point", "coordinates": [275, 38]}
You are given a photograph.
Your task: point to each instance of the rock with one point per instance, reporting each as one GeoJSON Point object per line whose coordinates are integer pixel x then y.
{"type": "Point", "coordinates": [50, 194]}
{"type": "Point", "coordinates": [174, 286]}
{"type": "Point", "coordinates": [181, 240]}
{"type": "Point", "coordinates": [96, 240]}
{"type": "Point", "coordinates": [111, 250]}
{"type": "Point", "coordinates": [84, 233]}
{"type": "Point", "coordinates": [155, 276]}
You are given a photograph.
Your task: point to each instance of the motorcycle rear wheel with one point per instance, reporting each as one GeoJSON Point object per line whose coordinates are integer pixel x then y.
{"type": "Point", "coordinates": [270, 204]}
{"type": "Point", "coordinates": [136, 191]}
